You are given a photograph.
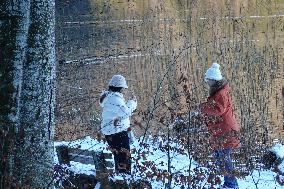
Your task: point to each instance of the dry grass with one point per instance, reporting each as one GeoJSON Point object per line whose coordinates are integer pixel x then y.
{"type": "Point", "coordinates": [166, 46]}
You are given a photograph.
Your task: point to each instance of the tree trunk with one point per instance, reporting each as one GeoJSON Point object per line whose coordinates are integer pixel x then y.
{"type": "Point", "coordinates": [27, 92]}
{"type": "Point", "coordinates": [13, 35]}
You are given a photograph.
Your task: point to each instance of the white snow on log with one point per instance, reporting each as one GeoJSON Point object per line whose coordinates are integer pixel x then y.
{"type": "Point", "coordinates": [86, 143]}
{"type": "Point", "coordinates": [98, 185]}
{"type": "Point", "coordinates": [80, 168]}
{"type": "Point", "coordinates": [278, 149]}
{"type": "Point", "coordinates": [281, 167]}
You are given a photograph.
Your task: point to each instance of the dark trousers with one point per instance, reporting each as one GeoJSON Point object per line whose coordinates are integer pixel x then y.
{"type": "Point", "coordinates": [120, 147]}
{"type": "Point", "coordinates": [224, 162]}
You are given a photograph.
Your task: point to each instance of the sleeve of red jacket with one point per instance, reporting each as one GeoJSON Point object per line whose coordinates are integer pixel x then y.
{"type": "Point", "coordinates": [214, 107]}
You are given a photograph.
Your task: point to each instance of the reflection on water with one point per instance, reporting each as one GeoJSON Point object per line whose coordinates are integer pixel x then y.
{"type": "Point", "coordinates": [166, 46]}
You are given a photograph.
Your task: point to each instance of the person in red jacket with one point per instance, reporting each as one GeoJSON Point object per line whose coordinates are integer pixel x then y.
{"type": "Point", "coordinates": [221, 122]}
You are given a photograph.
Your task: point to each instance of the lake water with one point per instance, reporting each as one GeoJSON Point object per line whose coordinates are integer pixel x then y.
{"type": "Point", "coordinates": [163, 48]}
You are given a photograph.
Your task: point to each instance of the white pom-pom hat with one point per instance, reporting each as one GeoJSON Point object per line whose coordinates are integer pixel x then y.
{"type": "Point", "coordinates": [214, 72]}
{"type": "Point", "coordinates": [118, 81]}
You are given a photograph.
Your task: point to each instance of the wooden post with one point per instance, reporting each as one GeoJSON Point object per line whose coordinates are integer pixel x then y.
{"type": "Point", "coordinates": [62, 154]}
{"type": "Point", "coordinates": [104, 167]}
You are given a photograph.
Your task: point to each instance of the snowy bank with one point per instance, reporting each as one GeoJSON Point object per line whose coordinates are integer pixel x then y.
{"type": "Point", "coordinates": [150, 158]}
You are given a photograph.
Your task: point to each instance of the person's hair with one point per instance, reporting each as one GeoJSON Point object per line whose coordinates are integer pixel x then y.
{"type": "Point", "coordinates": [218, 85]}
{"type": "Point", "coordinates": [115, 89]}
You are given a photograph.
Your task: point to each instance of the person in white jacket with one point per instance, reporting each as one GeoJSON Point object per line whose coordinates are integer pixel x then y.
{"type": "Point", "coordinates": [116, 122]}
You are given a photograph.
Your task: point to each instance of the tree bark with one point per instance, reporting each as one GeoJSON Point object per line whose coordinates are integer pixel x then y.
{"type": "Point", "coordinates": [13, 35]}
{"type": "Point", "coordinates": [27, 92]}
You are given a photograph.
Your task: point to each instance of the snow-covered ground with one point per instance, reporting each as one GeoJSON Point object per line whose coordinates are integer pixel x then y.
{"type": "Point", "coordinates": [154, 159]}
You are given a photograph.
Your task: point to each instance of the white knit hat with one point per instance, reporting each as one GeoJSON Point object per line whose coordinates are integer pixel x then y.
{"type": "Point", "coordinates": [118, 81]}
{"type": "Point", "coordinates": [214, 72]}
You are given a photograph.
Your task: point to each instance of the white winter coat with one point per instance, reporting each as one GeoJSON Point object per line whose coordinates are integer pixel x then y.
{"type": "Point", "coordinates": [115, 107]}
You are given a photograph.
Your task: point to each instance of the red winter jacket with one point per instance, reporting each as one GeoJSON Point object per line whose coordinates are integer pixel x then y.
{"type": "Point", "coordinates": [221, 120]}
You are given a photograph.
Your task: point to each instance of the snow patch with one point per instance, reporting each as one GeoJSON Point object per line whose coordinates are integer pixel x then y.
{"type": "Point", "coordinates": [180, 164]}
{"type": "Point", "coordinates": [278, 149]}
{"type": "Point", "coordinates": [281, 167]}
{"type": "Point", "coordinates": [86, 143]}
{"type": "Point", "coordinates": [80, 168]}
{"type": "Point", "coordinates": [98, 186]}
